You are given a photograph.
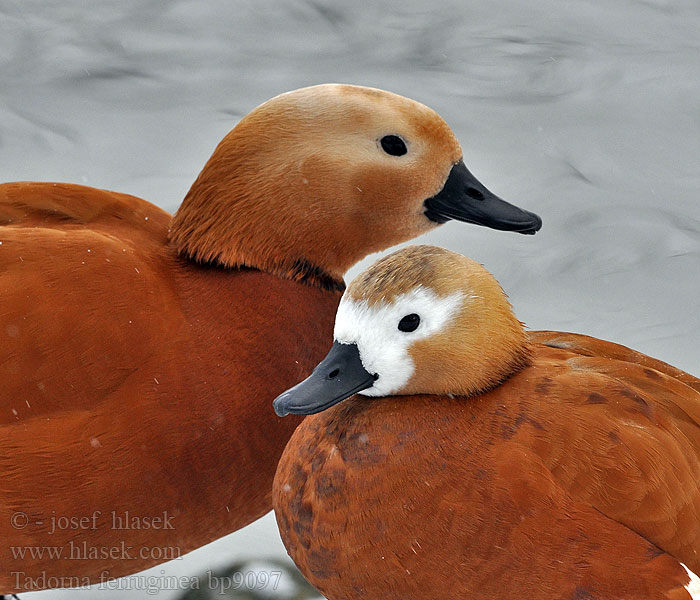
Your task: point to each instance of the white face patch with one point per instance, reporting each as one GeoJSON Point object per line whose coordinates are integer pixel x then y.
{"type": "Point", "coordinates": [383, 347]}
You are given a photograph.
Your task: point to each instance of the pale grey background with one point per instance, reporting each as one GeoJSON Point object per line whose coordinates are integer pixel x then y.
{"type": "Point", "coordinates": [587, 112]}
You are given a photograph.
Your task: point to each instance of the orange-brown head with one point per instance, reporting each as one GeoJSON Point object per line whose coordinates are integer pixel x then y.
{"type": "Point", "coordinates": [422, 320]}
{"type": "Point", "coordinates": [313, 180]}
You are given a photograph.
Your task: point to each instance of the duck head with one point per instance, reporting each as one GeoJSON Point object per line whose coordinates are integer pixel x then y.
{"type": "Point", "coordinates": [313, 180]}
{"type": "Point", "coordinates": [422, 320]}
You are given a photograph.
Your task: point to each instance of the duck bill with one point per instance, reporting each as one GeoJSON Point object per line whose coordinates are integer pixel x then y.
{"type": "Point", "coordinates": [465, 198]}
{"type": "Point", "coordinates": [338, 376]}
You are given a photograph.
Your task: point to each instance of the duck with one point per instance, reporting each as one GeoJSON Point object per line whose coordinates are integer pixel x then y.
{"type": "Point", "coordinates": [141, 350]}
{"type": "Point", "coordinates": [448, 452]}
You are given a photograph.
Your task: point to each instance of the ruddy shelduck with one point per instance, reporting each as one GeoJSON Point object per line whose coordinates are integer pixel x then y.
{"type": "Point", "coordinates": [140, 352]}
{"type": "Point", "coordinates": [496, 464]}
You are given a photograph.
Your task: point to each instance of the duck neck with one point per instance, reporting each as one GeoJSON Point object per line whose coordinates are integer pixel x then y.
{"type": "Point", "coordinates": [299, 269]}
{"type": "Point", "coordinates": [222, 223]}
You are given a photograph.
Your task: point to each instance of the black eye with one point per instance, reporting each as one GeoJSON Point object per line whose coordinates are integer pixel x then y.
{"type": "Point", "coordinates": [409, 323]}
{"type": "Point", "coordinates": [394, 145]}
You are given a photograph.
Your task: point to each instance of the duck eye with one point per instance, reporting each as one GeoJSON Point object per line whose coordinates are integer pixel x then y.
{"type": "Point", "coordinates": [394, 145]}
{"type": "Point", "coordinates": [409, 323]}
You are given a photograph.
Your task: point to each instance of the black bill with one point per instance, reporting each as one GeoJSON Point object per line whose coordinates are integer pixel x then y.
{"type": "Point", "coordinates": [338, 376]}
{"type": "Point", "coordinates": [465, 198]}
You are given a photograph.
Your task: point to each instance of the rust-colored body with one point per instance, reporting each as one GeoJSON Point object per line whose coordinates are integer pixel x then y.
{"type": "Point", "coordinates": [577, 478]}
{"type": "Point", "coordinates": [134, 381]}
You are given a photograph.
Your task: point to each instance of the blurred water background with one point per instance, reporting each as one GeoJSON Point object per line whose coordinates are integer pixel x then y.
{"type": "Point", "coordinates": [586, 112]}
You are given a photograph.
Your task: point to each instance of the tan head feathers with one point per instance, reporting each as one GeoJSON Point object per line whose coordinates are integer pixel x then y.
{"type": "Point", "coordinates": [427, 320]}
{"type": "Point", "coordinates": [441, 270]}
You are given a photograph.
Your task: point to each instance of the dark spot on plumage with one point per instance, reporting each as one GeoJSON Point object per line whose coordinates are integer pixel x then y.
{"type": "Point", "coordinates": [330, 483]}
{"type": "Point", "coordinates": [582, 592]}
{"type": "Point", "coordinates": [544, 386]}
{"type": "Point", "coordinates": [644, 407]}
{"type": "Point", "coordinates": [295, 502]}
{"type": "Point", "coordinates": [318, 460]}
{"type": "Point", "coordinates": [482, 474]}
{"type": "Point", "coordinates": [322, 562]}
{"type": "Point", "coordinates": [509, 429]}
{"type": "Point", "coordinates": [614, 437]}
{"type": "Point", "coordinates": [357, 448]}
{"type": "Point", "coordinates": [596, 398]}
{"type": "Point", "coordinates": [535, 423]}
{"type": "Point", "coordinates": [298, 477]}
{"type": "Point", "coordinates": [49, 215]}
{"type": "Point", "coordinates": [651, 374]}
{"type": "Point", "coordinates": [641, 403]}
{"type": "Point", "coordinates": [300, 510]}
{"type": "Point", "coordinates": [305, 512]}
{"type": "Point", "coordinates": [654, 551]}
{"type": "Point", "coordinates": [303, 518]}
